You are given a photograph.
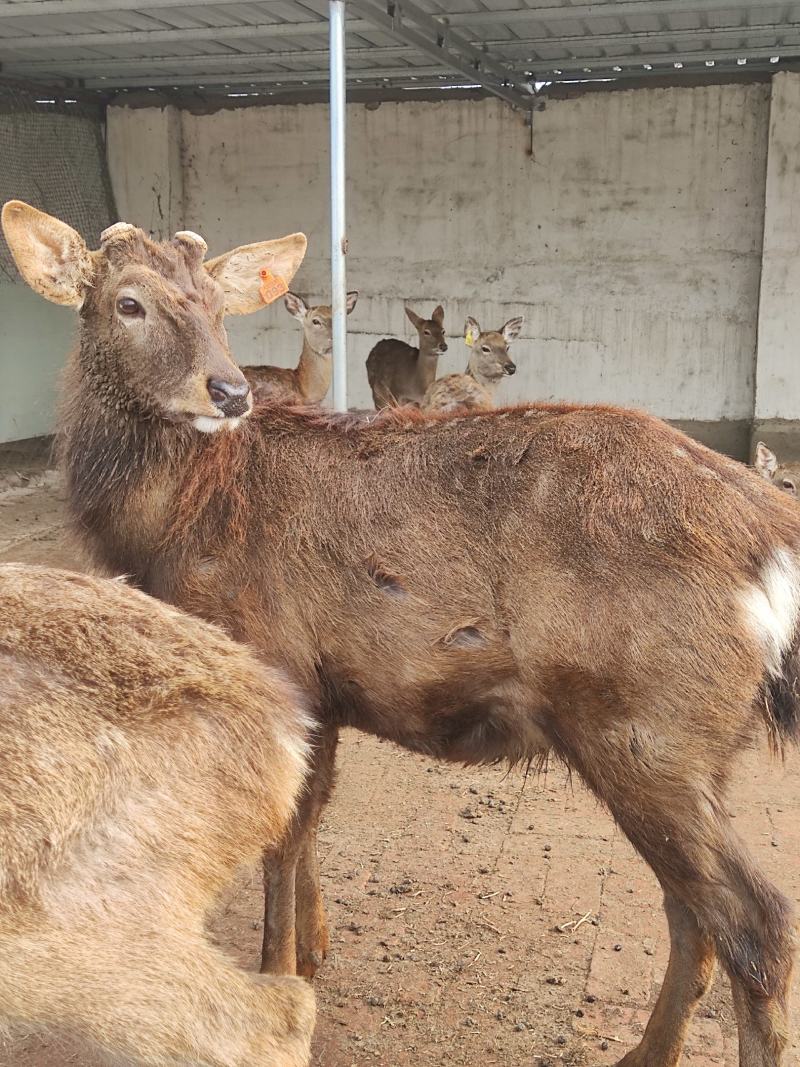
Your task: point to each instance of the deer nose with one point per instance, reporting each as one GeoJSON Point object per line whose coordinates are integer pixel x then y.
{"type": "Point", "coordinates": [232, 398]}
{"type": "Point", "coordinates": [510, 368]}
{"type": "Point", "coordinates": [442, 347]}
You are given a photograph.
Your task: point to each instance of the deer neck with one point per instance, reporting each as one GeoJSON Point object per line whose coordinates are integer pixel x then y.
{"type": "Point", "coordinates": [427, 362]}
{"type": "Point", "coordinates": [122, 467]}
{"type": "Point", "coordinates": [313, 373]}
{"type": "Point", "coordinates": [488, 384]}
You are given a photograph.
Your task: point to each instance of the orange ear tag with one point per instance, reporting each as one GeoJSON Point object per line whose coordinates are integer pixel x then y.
{"type": "Point", "coordinates": [272, 286]}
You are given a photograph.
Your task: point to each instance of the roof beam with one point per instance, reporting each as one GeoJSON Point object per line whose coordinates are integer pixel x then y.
{"type": "Point", "coordinates": [623, 9]}
{"type": "Point", "coordinates": [232, 61]}
{"type": "Point", "coordinates": [597, 64]}
{"type": "Point", "coordinates": [36, 8]}
{"type": "Point", "coordinates": [200, 33]}
{"type": "Point", "coordinates": [238, 60]}
{"type": "Point", "coordinates": [449, 49]}
{"type": "Point", "coordinates": [276, 78]}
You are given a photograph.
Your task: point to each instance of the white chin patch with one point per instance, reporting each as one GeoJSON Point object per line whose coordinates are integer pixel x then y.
{"type": "Point", "coordinates": [205, 424]}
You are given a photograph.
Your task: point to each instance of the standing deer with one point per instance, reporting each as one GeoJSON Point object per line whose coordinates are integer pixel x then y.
{"type": "Point", "coordinates": [766, 463]}
{"type": "Point", "coordinates": [310, 380]}
{"type": "Point", "coordinates": [584, 581]}
{"type": "Point", "coordinates": [489, 362]}
{"type": "Point", "coordinates": [143, 757]}
{"type": "Point", "coordinates": [399, 373]}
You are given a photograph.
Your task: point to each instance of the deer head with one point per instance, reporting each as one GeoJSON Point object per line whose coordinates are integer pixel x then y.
{"type": "Point", "coordinates": [317, 322]}
{"type": "Point", "coordinates": [151, 314]}
{"type": "Point", "coordinates": [431, 331]}
{"type": "Point", "coordinates": [766, 463]}
{"type": "Point", "coordinates": [489, 360]}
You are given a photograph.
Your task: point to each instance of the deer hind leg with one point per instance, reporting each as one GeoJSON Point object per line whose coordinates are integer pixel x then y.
{"type": "Point", "coordinates": [295, 928]}
{"type": "Point", "coordinates": [661, 796]}
{"type": "Point", "coordinates": [174, 998]}
{"type": "Point", "coordinates": [689, 973]}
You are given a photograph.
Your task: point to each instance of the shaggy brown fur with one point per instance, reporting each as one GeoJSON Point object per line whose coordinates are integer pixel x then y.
{"type": "Point", "coordinates": [586, 581]}
{"type": "Point", "coordinates": [143, 757]}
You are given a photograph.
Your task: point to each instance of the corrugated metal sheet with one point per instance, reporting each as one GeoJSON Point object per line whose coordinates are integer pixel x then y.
{"type": "Point", "coordinates": [263, 45]}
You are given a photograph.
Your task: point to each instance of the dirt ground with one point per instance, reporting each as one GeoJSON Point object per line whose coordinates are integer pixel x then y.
{"type": "Point", "coordinates": [476, 918]}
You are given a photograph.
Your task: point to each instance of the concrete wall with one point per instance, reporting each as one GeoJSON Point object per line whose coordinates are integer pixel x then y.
{"type": "Point", "coordinates": [630, 239]}
{"type": "Point", "coordinates": [777, 401]}
{"type": "Point", "coordinates": [34, 339]}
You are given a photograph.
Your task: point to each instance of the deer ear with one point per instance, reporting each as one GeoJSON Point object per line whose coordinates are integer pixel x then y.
{"type": "Point", "coordinates": [414, 318]}
{"type": "Point", "coordinates": [766, 462]}
{"type": "Point", "coordinates": [296, 306]}
{"type": "Point", "coordinates": [472, 330]}
{"type": "Point", "coordinates": [512, 328]}
{"type": "Point", "coordinates": [438, 315]}
{"type": "Point", "coordinates": [240, 272]}
{"type": "Point", "coordinates": [352, 297]}
{"type": "Point", "coordinates": [51, 256]}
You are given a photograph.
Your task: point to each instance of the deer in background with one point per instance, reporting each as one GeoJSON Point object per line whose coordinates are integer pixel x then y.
{"type": "Point", "coordinates": [143, 757]}
{"type": "Point", "coordinates": [582, 581]}
{"type": "Point", "coordinates": [766, 463]}
{"type": "Point", "coordinates": [310, 380]}
{"type": "Point", "coordinates": [397, 372]}
{"type": "Point", "coordinates": [489, 362]}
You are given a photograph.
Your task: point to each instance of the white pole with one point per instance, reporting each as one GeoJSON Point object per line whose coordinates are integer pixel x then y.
{"type": "Point", "coordinates": [338, 235]}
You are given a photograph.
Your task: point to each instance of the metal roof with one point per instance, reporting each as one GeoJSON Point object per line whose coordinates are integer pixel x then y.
{"type": "Point", "coordinates": [502, 46]}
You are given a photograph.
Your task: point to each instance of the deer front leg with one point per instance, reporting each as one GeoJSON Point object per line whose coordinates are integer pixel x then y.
{"type": "Point", "coordinates": [295, 930]}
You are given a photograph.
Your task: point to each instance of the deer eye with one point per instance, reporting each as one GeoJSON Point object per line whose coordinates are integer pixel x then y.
{"type": "Point", "coordinates": [316, 322]}
{"type": "Point", "coordinates": [427, 333]}
{"type": "Point", "coordinates": [486, 349]}
{"type": "Point", "coordinates": [129, 307]}
{"type": "Point", "coordinates": [788, 485]}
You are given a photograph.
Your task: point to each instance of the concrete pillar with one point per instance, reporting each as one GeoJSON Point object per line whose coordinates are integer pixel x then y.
{"type": "Point", "coordinates": [144, 160]}
{"type": "Point", "coordinates": [777, 399]}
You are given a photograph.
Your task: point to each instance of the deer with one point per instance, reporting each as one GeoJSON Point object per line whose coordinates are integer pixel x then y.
{"type": "Point", "coordinates": [143, 757]}
{"type": "Point", "coordinates": [489, 362]}
{"type": "Point", "coordinates": [554, 580]}
{"type": "Point", "coordinates": [310, 380]}
{"type": "Point", "coordinates": [766, 463]}
{"type": "Point", "coordinates": [401, 374]}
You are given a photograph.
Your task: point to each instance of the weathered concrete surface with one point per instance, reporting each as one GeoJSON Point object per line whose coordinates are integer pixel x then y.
{"type": "Point", "coordinates": [630, 239]}
{"type": "Point", "coordinates": [777, 402]}
{"type": "Point", "coordinates": [144, 160]}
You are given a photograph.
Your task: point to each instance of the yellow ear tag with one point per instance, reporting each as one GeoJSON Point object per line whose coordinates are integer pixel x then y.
{"type": "Point", "coordinates": [272, 286]}
{"type": "Point", "coordinates": [469, 339]}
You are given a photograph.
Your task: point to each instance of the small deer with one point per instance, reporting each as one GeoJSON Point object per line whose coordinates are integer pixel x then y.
{"type": "Point", "coordinates": [399, 373]}
{"type": "Point", "coordinates": [489, 362]}
{"type": "Point", "coordinates": [766, 463]}
{"type": "Point", "coordinates": [143, 757]}
{"type": "Point", "coordinates": [585, 582]}
{"type": "Point", "coordinates": [310, 380]}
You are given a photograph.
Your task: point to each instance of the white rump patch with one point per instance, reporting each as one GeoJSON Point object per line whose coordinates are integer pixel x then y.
{"type": "Point", "coordinates": [773, 606]}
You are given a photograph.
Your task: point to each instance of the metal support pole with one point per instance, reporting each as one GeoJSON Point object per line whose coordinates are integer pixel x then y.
{"type": "Point", "coordinates": [338, 235]}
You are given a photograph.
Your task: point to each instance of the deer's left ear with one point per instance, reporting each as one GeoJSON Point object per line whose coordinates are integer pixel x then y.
{"type": "Point", "coordinates": [512, 328]}
{"type": "Point", "coordinates": [254, 275]}
{"type": "Point", "coordinates": [51, 256]}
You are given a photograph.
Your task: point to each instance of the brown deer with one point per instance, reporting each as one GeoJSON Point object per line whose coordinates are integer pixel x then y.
{"type": "Point", "coordinates": [766, 463]}
{"type": "Point", "coordinates": [583, 581]}
{"type": "Point", "coordinates": [489, 362]}
{"type": "Point", "coordinates": [143, 757]}
{"type": "Point", "coordinates": [401, 374]}
{"type": "Point", "coordinates": [310, 380]}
